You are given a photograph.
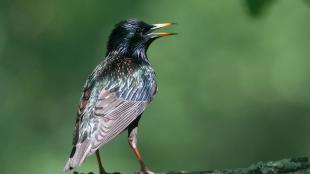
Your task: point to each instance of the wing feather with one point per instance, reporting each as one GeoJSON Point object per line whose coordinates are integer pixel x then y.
{"type": "Point", "coordinates": [110, 117]}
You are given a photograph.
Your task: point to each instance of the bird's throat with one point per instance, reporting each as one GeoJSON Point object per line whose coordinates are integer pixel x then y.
{"type": "Point", "coordinates": [138, 53]}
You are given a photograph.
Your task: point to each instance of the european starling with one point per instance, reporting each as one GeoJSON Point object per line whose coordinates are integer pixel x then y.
{"type": "Point", "coordinates": [116, 93]}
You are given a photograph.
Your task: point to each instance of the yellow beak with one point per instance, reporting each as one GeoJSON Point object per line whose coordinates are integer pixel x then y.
{"type": "Point", "coordinates": [162, 25]}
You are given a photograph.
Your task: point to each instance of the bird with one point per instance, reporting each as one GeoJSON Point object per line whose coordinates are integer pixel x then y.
{"type": "Point", "coordinates": [116, 93]}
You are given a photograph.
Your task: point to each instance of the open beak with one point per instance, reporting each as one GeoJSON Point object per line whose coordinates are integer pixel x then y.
{"type": "Point", "coordinates": [161, 34]}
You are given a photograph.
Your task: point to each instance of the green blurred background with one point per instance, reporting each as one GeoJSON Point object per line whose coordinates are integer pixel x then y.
{"type": "Point", "coordinates": [233, 85]}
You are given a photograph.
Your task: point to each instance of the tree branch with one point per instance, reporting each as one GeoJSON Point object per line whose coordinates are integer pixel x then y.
{"type": "Point", "coordinates": [291, 166]}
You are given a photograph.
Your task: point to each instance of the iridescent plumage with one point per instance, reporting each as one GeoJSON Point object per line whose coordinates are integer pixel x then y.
{"type": "Point", "coordinates": [116, 93]}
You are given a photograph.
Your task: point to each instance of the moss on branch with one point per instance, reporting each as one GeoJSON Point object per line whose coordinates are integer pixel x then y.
{"type": "Point", "coordinates": [287, 166]}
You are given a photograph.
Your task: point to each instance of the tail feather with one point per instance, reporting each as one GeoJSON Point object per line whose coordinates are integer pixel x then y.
{"type": "Point", "coordinates": [78, 155]}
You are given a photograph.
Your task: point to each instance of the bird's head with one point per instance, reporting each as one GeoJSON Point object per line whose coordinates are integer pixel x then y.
{"type": "Point", "coordinates": [134, 37]}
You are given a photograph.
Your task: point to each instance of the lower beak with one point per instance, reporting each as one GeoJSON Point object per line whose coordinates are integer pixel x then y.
{"type": "Point", "coordinates": [161, 34]}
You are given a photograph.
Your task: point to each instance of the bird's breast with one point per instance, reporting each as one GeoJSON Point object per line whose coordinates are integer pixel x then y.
{"type": "Point", "coordinates": [139, 85]}
{"type": "Point", "coordinates": [132, 80]}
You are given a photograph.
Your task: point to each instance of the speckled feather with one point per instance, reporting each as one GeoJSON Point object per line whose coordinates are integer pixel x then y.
{"type": "Point", "coordinates": [115, 94]}
{"type": "Point", "coordinates": [129, 79]}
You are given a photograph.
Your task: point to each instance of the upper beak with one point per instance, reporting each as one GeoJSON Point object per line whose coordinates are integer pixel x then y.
{"type": "Point", "coordinates": [160, 34]}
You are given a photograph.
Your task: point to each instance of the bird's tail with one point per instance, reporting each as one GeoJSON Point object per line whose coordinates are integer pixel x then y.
{"type": "Point", "coordinates": [78, 154]}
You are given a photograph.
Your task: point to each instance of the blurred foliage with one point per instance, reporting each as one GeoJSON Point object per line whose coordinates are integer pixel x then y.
{"type": "Point", "coordinates": [256, 7]}
{"type": "Point", "coordinates": [307, 1]}
{"type": "Point", "coordinates": [233, 90]}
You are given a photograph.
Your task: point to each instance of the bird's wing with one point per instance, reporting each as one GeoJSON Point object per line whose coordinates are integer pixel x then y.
{"type": "Point", "coordinates": [110, 105]}
{"type": "Point", "coordinates": [110, 116]}
{"type": "Point", "coordinates": [86, 92]}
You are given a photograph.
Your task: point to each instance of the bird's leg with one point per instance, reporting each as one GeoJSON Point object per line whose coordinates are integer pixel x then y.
{"type": "Point", "coordinates": [133, 140]}
{"type": "Point", "coordinates": [101, 169]}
